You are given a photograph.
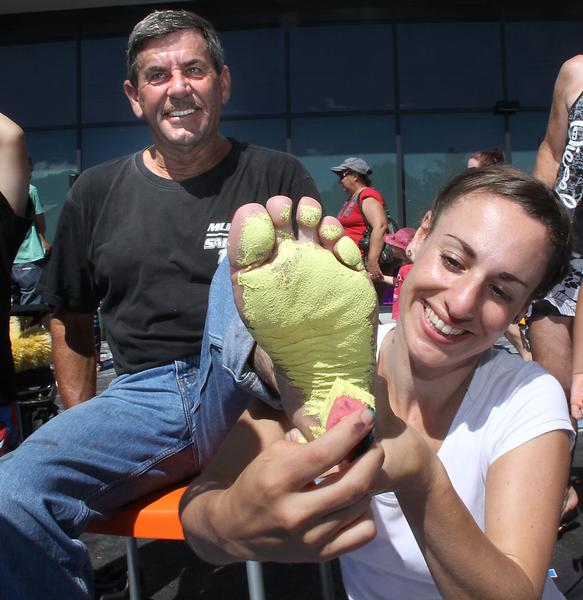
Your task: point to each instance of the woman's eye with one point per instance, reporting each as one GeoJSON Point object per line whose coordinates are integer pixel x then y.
{"type": "Point", "coordinates": [500, 293]}
{"type": "Point", "coordinates": [451, 263]}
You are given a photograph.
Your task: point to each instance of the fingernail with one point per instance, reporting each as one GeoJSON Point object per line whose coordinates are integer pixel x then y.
{"type": "Point", "coordinates": [367, 417]}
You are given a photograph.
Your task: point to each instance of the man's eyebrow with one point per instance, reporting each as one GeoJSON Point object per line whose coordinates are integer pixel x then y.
{"type": "Point", "coordinates": [154, 69]}
{"type": "Point", "coordinates": [157, 68]}
{"type": "Point", "coordinates": [472, 254]}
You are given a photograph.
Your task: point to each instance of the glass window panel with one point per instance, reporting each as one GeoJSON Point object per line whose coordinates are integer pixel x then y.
{"type": "Point", "coordinates": [104, 71]}
{"type": "Point", "coordinates": [104, 143]}
{"type": "Point", "coordinates": [270, 133]}
{"type": "Point", "coordinates": [536, 51]}
{"type": "Point", "coordinates": [527, 131]}
{"type": "Point", "coordinates": [256, 59]}
{"type": "Point", "coordinates": [321, 143]}
{"type": "Point", "coordinates": [53, 156]}
{"type": "Point", "coordinates": [39, 83]}
{"type": "Point", "coordinates": [449, 65]}
{"type": "Point", "coordinates": [341, 68]}
{"type": "Point", "coordinates": [436, 147]}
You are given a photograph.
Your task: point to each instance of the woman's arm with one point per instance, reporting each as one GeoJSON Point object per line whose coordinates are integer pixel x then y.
{"type": "Point", "coordinates": [524, 491]}
{"type": "Point", "coordinates": [375, 215]}
{"type": "Point", "coordinates": [510, 559]}
{"type": "Point", "coordinates": [257, 499]}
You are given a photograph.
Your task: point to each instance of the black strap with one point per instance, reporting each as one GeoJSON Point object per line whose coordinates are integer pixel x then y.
{"type": "Point", "coordinates": [392, 225]}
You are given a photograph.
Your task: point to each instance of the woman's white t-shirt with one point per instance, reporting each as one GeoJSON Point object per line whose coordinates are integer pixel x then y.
{"type": "Point", "coordinates": [509, 402]}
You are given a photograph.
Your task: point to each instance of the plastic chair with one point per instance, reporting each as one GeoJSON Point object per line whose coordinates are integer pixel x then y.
{"type": "Point", "coordinates": [156, 517]}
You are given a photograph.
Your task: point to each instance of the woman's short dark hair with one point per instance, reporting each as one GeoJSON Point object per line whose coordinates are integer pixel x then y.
{"type": "Point", "coordinates": [488, 157]}
{"type": "Point", "coordinates": [533, 196]}
{"type": "Point", "coordinates": [163, 22]}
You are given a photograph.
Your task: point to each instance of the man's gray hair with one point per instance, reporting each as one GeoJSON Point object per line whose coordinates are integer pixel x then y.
{"type": "Point", "coordinates": [163, 22]}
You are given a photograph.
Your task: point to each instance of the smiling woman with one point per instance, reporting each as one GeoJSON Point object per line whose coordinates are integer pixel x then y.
{"type": "Point", "coordinates": [445, 504]}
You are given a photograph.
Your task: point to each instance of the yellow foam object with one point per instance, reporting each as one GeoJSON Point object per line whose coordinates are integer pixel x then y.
{"type": "Point", "coordinates": [31, 347]}
{"type": "Point", "coordinates": [340, 387]}
{"type": "Point", "coordinates": [257, 234]}
{"type": "Point", "coordinates": [349, 253]}
{"type": "Point", "coordinates": [314, 317]}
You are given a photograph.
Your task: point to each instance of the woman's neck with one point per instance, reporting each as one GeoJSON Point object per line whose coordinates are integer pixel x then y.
{"type": "Point", "coordinates": [358, 188]}
{"type": "Point", "coordinates": [428, 399]}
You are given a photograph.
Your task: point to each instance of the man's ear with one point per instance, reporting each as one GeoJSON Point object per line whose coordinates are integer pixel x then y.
{"type": "Point", "coordinates": [225, 78]}
{"type": "Point", "coordinates": [132, 93]}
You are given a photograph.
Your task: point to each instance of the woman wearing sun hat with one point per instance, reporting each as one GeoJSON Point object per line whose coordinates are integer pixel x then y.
{"type": "Point", "coordinates": [364, 206]}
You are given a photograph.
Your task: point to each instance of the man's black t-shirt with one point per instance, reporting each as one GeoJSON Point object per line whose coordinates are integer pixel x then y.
{"type": "Point", "coordinates": [147, 247]}
{"type": "Point", "coordinates": [13, 231]}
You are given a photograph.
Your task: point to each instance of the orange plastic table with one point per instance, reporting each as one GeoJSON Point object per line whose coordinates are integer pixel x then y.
{"type": "Point", "coordinates": [156, 517]}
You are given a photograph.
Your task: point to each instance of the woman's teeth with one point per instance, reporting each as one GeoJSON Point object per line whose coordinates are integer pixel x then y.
{"type": "Point", "coordinates": [440, 325]}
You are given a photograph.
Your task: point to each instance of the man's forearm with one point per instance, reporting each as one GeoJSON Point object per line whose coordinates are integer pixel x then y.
{"type": "Point", "coordinates": [74, 357]}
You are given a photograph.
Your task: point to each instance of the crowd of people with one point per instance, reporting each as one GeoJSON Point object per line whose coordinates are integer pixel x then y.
{"type": "Point", "coordinates": [218, 349]}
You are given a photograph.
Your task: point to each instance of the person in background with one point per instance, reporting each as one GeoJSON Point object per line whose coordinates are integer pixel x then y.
{"type": "Point", "coordinates": [559, 164]}
{"type": "Point", "coordinates": [14, 222]}
{"type": "Point", "coordinates": [485, 158]}
{"type": "Point", "coordinates": [31, 258]}
{"type": "Point", "coordinates": [399, 242]}
{"type": "Point", "coordinates": [364, 207]}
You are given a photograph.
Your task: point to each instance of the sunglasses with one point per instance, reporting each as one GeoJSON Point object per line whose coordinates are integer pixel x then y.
{"type": "Point", "coordinates": [343, 174]}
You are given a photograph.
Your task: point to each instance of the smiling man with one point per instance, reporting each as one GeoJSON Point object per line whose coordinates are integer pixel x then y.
{"type": "Point", "coordinates": [141, 237]}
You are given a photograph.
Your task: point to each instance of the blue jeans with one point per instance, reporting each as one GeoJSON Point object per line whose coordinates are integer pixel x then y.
{"type": "Point", "coordinates": [25, 278]}
{"type": "Point", "coordinates": [146, 431]}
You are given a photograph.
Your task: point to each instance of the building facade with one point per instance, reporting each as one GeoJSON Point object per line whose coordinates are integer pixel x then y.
{"type": "Point", "coordinates": [412, 87]}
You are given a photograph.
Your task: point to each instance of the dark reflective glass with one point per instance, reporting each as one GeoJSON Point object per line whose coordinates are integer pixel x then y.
{"type": "Point", "coordinates": [257, 62]}
{"type": "Point", "coordinates": [341, 68]}
{"type": "Point", "coordinates": [39, 83]}
{"type": "Point", "coordinates": [536, 51]}
{"type": "Point", "coordinates": [449, 65]}
{"type": "Point", "coordinates": [270, 133]}
{"type": "Point", "coordinates": [104, 71]}
{"type": "Point", "coordinates": [104, 143]}
{"type": "Point", "coordinates": [437, 147]}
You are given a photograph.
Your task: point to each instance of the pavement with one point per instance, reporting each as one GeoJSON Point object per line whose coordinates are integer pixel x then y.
{"type": "Point", "coordinates": [170, 571]}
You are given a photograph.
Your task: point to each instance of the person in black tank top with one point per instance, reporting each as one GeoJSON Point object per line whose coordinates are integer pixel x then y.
{"type": "Point", "coordinates": [559, 163]}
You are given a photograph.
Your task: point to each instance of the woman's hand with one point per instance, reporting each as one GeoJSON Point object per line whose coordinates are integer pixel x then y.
{"type": "Point", "coordinates": [374, 270]}
{"type": "Point", "coordinates": [272, 509]}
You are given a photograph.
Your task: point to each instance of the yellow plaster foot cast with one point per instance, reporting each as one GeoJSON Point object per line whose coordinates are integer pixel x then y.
{"type": "Point", "coordinates": [310, 306]}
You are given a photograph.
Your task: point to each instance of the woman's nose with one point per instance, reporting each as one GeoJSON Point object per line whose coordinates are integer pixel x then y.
{"type": "Point", "coordinates": [463, 298]}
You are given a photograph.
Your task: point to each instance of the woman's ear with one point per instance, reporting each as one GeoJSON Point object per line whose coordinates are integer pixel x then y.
{"type": "Point", "coordinates": [419, 237]}
{"type": "Point", "coordinates": [425, 223]}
